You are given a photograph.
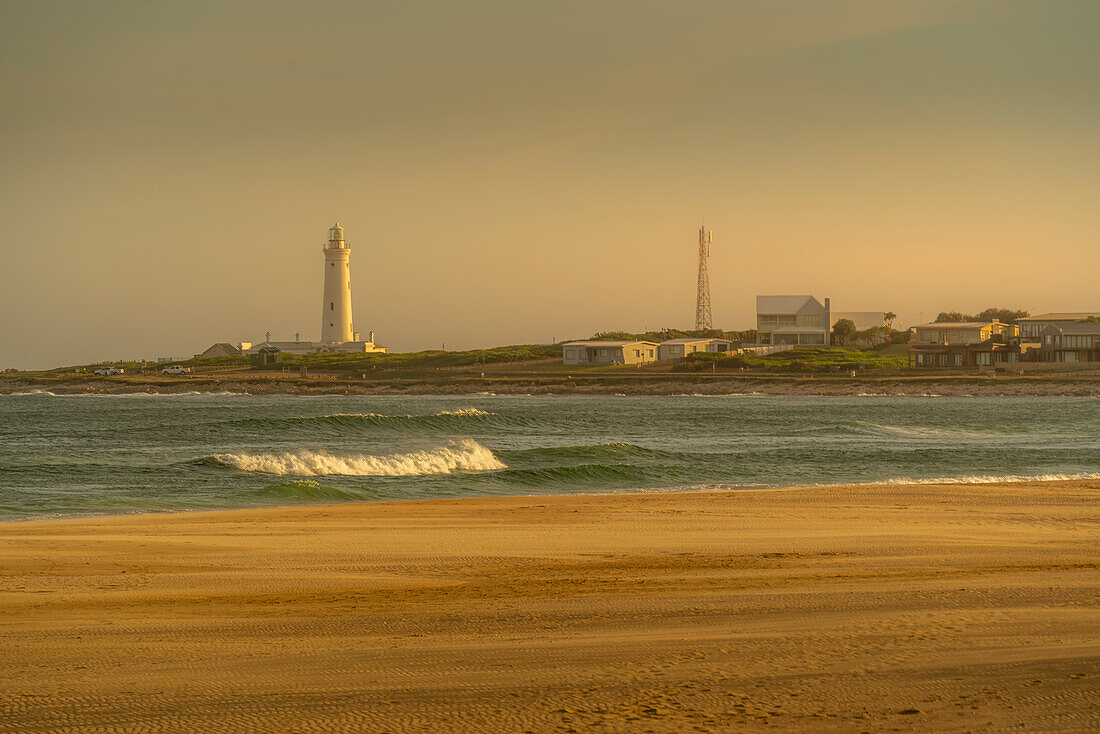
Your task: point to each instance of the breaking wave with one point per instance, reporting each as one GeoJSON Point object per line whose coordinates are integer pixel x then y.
{"type": "Point", "coordinates": [457, 457]}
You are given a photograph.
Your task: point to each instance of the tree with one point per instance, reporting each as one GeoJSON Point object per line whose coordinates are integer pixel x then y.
{"type": "Point", "coordinates": [843, 331]}
{"type": "Point", "coordinates": [889, 317]}
{"type": "Point", "coordinates": [1004, 315]}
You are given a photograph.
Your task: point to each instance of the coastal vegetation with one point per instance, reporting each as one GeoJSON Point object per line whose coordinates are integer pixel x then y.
{"type": "Point", "coordinates": [1004, 315]}
{"type": "Point", "coordinates": [801, 360]}
{"type": "Point", "coordinates": [748, 335]}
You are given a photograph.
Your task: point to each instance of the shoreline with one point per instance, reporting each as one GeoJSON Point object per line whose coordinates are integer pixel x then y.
{"type": "Point", "coordinates": [855, 608]}
{"type": "Point", "coordinates": [664, 385]}
{"type": "Point", "coordinates": [882, 486]}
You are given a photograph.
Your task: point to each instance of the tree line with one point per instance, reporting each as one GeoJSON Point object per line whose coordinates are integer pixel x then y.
{"type": "Point", "coordinates": [1004, 315]}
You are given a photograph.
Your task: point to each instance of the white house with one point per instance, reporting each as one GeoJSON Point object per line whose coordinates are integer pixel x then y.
{"type": "Point", "coordinates": [794, 320]}
{"type": "Point", "coordinates": [680, 348]}
{"type": "Point", "coordinates": [609, 352]}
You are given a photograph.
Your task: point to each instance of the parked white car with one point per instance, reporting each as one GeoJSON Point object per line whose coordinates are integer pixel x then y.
{"type": "Point", "coordinates": [176, 370]}
{"type": "Point", "coordinates": [108, 371]}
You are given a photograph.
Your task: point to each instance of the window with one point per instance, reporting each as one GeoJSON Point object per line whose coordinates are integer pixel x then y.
{"type": "Point", "coordinates": [812, 319]}
{"type": "Point", "coordinates": [1076, 341]}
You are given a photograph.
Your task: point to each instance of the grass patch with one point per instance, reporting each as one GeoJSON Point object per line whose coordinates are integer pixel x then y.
{"type": "Point", "coordinates": [803, 359]}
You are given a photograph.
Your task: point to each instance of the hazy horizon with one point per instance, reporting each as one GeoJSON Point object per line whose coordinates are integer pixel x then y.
{"type": "Point", "coordinates": [515, 173]}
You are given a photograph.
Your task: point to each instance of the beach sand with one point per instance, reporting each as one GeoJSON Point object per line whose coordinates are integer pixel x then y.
{"type": "Point", "coordinates": [899, 608]}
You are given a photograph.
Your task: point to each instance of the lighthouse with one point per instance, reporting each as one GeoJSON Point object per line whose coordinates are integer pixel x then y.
{"type": "Point", "coordinates": [336, 326]}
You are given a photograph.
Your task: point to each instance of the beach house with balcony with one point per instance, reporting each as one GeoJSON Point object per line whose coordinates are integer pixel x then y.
{"type": "Point", "coordinates": [964, 344]}
{"type": "Point", "coordinates": [792, 320]}
{"type": "Point", "coordinates": [1078, 341]}
{"type": "Point", "coordinates": [1031, 327]}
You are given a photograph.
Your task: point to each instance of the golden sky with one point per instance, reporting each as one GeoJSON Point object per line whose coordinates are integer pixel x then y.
{"type": "Point", "coordinates": [513, 172]}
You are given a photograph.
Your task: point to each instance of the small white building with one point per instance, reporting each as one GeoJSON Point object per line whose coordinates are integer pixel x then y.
{"type": "Point", "coordinates": [680, 348]}
{"type": "Point", "coordinates": [356, 346]}
{"type": "Point", "coordinates": [609, 352]}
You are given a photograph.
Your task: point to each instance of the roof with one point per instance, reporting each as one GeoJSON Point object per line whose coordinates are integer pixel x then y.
{"type": "Point", "coordinates": [1080, 327]}
{"type": "Point", "coordinates": [956, 325]}
{"type": "Point", "coordinates": [782, 304]}
{"type": "Point", "coordinates": [607, 344]}
{"type": "Point", "coordinates": [691, 340]}
{"type": "Point", "coordinates": [1061, 316]}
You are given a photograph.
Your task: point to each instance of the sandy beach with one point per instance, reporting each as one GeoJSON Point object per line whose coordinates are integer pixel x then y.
{"type": "Point", "coordinates": [896, 608]}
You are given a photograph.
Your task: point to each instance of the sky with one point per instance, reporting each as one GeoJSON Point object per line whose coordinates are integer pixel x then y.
{"type": "Point", "coordinates": [521, 172]}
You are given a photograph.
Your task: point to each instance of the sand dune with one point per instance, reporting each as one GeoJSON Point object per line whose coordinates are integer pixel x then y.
{"type": "Point", "coordinates": [930, 608]}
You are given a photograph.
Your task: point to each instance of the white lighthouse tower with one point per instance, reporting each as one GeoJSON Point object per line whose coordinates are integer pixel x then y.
{"type": "Point", "coordinates": [336, 326]}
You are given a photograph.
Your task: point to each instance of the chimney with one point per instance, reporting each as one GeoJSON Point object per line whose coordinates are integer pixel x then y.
{"type": "Point", "coordinates": [828, 324]}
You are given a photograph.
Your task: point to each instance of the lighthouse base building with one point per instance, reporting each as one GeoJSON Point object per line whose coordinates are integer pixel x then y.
{"type": "Point", "coordinates": [338, 334]}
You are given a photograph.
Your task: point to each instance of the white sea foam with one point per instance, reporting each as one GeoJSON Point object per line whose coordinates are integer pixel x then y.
{"type": "Point", "coordinates": [456, 457]}
{"type": "Point", "coordinates": [461, 412]}
{"type": "Point", "coordinates": [921, 431]}
{"type": "Point", "coordinates": [995, 478]}
{"type": "Point", "coordinates": [222, 393]}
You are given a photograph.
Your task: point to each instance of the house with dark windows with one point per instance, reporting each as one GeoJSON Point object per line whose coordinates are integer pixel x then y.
{"type": "Point", "coordinates": [1072, 342]}
{"type": "Point", "coordinates": [1031, 327]}
{"type": "Point", "coordinates": [965, 344]}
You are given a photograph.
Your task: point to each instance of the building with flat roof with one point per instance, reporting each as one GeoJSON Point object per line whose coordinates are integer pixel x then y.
{"type": "Point", "coordinates": [609, 352]}
{"type": "Point", "coordinates": [680, 348]}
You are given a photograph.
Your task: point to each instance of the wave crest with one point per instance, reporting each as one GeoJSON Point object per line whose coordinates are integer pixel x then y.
{"type": "Point", "coordinates": [458, 457]}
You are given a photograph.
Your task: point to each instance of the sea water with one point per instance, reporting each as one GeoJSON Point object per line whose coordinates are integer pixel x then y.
{"type": "Point", "coordinates": [95, 454]}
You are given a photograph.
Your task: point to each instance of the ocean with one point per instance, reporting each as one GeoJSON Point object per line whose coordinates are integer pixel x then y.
{"type": "Point", "coordinates": [63, 456]}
